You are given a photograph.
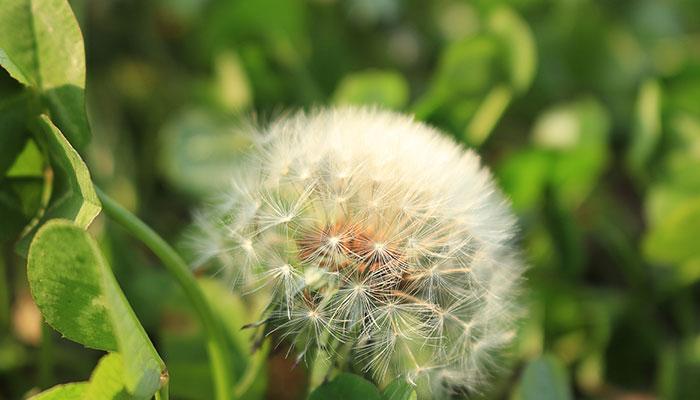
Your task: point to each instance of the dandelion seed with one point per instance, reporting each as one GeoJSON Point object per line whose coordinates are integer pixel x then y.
{"type": "Point", "coordinates": [366, 229]}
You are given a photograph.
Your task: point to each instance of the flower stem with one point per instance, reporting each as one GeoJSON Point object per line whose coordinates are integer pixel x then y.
{"type": "Point", "coordinates": [163, 393]}
{"type": "Point", "coordinates": [255, 364]}
{"type": "Point", "coordinates": [173, 263]}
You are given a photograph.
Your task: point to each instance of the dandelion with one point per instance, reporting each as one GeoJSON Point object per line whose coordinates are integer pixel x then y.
{"type": "Point", "coordinates": [376, 234]}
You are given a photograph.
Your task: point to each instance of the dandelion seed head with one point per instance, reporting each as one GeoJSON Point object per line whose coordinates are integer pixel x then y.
{"type": "Point", "coordinates": [368, 230]}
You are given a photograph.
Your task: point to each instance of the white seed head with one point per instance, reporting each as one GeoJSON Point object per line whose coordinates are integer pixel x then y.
{"type": "Point", "coordinates": [376, 234]}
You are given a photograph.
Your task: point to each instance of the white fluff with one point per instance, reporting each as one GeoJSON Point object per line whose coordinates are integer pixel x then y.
{"type": "Point", "coordinates": [376, 234]}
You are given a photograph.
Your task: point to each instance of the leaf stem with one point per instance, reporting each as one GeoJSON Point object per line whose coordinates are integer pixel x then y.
{"type": "Point", "coordinates": [163, 393]}
{"type": "Point", "coordinates": [255, 364]}
{"type": "Point", "coordinates": [4, 294]}
{"type": "Point", "coordinates": [46, 356]}
{"type": "Point", "coordinates": [173, 263]}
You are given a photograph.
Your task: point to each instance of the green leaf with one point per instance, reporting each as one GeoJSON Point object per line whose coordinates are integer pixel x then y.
{"type": "Point", "coordinates": [674, 238]}
{"type": "Point", "coordinates": [545, 379]}
{"type": "Point", "coordinates": [73, 195]}
{"type": "Point", "coordinates": [67, 285]}
{"type": "Point", "coordinates": [78, 295]}
{"type": "Point", "coordinates": [647, 127]}
{"type": "Point", "coordinates": [200, 151]}
{"type": "Point", "coordinates": [523, 177]}
{"type": "Point", "coordinates": [520, 51]}
{"type": "Point", "coordinates": [383, 88]}
{"type": "Point", "coordinates": [487, 115]}
{"type": "Point", "coordinates": [41, 46]}
{"type": "Point", "coordinates": [107, 380]}
{"type": "Point", "coordinates": [399, 389]}
{"type": "Point", "coordinates": [576, 135]}
{"type": "Point", "coordinates": [465, 69]}
{"type": "Point", "coordinates": [232, 86]}
{"type": "Point", "coordinates": [346, 387]}
{"type": "Point", "coordinates": [68, 391]}
{"type": "Point", "coordinates": [28, 163]}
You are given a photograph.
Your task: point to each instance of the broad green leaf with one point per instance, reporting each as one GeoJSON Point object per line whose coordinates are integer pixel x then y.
{"type": "Point", "coordinates": [66, 285]}
{"type": "Point", "coordinates": [28, 163]}
{"type": "Point", "coordinates": [73, 196]}
{"type": "Point", "coordinates": [399, 389]}
{"type": "Point", "coordinates": [200, 151]}
{"type": "Point", "coordinates": [465, 69]}
{"type": "Point", "coordinates": [545, 379]}
{"type": "Point", "coordinates": [520, 51]}
{"type": "Point", "coordinates": [663, 199]}
{"type": "Point", "coordinates": [647, 126]}
{"type": "Point", "coordinates": [674, 239]}
{"type": "Point", "coordinates": [346, 387]}
{"type": "Point", "coordinates": [232, 87]}
{"type": "Point", "coordinates": [42, 47]}
{"type": "Point", "coordinates": [466, 66]}
{"type": "Point", "coordinates": [523, 177]}
{"type": "Point", "coordinates": [681, 162]}
{"type": "Point", "coordinates": [590, 371]}
{"type": "Point", "coordinates": [384, 88]}
{"type": "Point", "coordinates": [78, 295]}
{"type": "Point", "coordinates": [576, 134]}
{"type": "Point", "coordinates": [107, 380]}
{"type": "Point", "coordinates": [68, 391]}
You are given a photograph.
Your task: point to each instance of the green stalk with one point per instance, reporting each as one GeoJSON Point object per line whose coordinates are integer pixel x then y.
{"type": "Point", "coordinates": [173, 263]}
{"type": "Point", "coordinates": [163, 393]}
{"type": "Point", "coordinates": [4, 294]}
{"type": "Point", "coordinates": [255, 364]}
{"type": "Point", "coordinates": [46, 357]}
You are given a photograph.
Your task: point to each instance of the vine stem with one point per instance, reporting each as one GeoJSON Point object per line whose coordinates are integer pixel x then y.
{"type": "Point", "coordinates": [173, 263]}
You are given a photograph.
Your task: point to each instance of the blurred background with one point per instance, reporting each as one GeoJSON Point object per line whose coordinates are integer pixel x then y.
{"type": "Point", "coordinates": [588, 112]}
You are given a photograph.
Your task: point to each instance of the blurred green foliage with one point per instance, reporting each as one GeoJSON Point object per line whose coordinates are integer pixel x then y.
{"type": "Point", "coordinates": [588, 111]}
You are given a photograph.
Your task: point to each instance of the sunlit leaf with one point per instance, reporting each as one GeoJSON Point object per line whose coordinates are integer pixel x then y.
{"type": "Point", "coordinates": [647, 129]}
{"type": "Point", "coordinates": [674, 238]}
{"type": "Point", "coordinates": [73, 196]}
{"type": "Point", "coordinates": [383, 88]}
{"type": "Point", "coordinates": [201, 151]}
{"type": "Point", "coordinates": [576, 134]}
{"type": "Point", "coordinates": [232, 87]}
{"type": "Point", "coordinates": [487, 115]}
{"type": "Point", "coordinates": [42, 47]}
{"type": "Point", "coordinates": [465, 68]}
{"type": "Point", "coordinates": [520, 51]}
{"type": "Point", "coordinates": [68, 391]}
{"type": "Point", "coordinates": [107, 380]}
{"type": "Point", "coordinates": [78, 295]}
